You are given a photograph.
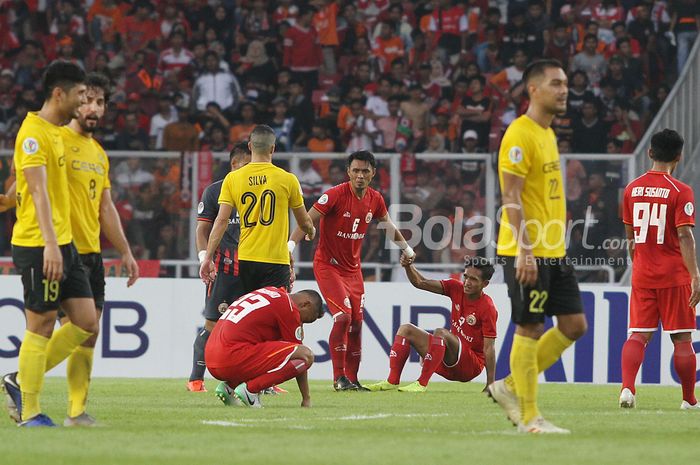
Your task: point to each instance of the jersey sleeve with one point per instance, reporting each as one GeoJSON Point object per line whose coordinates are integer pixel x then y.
{"type": "Point", "coordinates": [107, 184]}
{"type": "Point", "coordinates": [685, 208]}
{"type": "Point", "coordinates": [327, 201]}
{"type": "Point", "coordinates": [296, 198]}
{"type": "Point", "coordinates": [226, 196]}
{"type": "Point", "coordinates": [208, 206]}
{"type": "Point", "coordinates": [514, 156]}
{"type": "Point", "coordinates": [626, 207]}
{"type": "Point", "coordinates": [380, 207]}
{"type": "Point", "coordinates": [451, 286]}
{"type": "Point", "coordinates": [34, 150]}
{"type": "Point", "coordinates": [488, 321]}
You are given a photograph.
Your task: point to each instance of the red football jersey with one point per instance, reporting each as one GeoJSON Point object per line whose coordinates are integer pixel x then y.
{"type": "Point", "coordinates": [267, 314]}
{"type": "Point", "coordinates": [344, 224]}
{"type": "Point", "coordinates": [472, 320]}
{"type": "Point", "coordinates": [655, 205]}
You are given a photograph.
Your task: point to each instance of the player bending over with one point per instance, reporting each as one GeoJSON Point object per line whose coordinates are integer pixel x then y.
{"type": "Point", "coordinates": [457, 354]}
{"type": "Point", "coordinates": [257, 343]}
{"type": "Point", "coordinates": [659, 214]}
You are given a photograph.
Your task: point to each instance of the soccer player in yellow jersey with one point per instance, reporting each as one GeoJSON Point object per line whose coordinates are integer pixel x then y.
{"type": "Point", "coordinates": [42, 248]}
{"type": "Point", "coordinates": [263, 194]}
{"type": "Point", "coordinates": [531, 244]}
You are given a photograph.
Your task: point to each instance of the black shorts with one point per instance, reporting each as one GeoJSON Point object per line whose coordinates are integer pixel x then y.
{"type": "Point", "coordinates": [220, 294]}
{"type": "Point", "coordinates": [96, 275]}
{"type": "Point", "coordinates": [42, 295]}
{"type": "Point", "coordinates": [257, 274]}
{"type": "Point", "coordinates": [556, 291]}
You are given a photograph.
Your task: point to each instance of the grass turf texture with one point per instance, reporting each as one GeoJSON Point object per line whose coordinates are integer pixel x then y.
{"type": "Point", "coordinates": [157, 422]}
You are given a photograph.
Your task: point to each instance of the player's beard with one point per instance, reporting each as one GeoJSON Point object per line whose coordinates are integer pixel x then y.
{"type": "Point", "coordinates": [84, 125]}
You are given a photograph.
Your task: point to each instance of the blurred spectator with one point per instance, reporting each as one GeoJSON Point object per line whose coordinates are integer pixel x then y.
{"type": "Point", "coordinates": [520, 35]}
{"type": "Point", "coordinates": [257, 69]}
{"type": "Point", "coordinates": [302, 110]}
{"type": "Point", "coordinates": [131, 176]}
{"type": "Point", "coordinates": [166, 115]}
{"type": "Point", "coordinates": [685, 23]}
{"type": "Point", "coordinates": [578, 90]}
{"type": "Point", "coordinates": [302, 50]}
{"type": "Point", "coordinates": [626, 128]}
{"type": "Point", "coordinates": [378, 104]}
{"type": "Point", "coordinates": [449, 27]}
{"type": "Point", "coordinates": [218, 140]}
{"type": "Point", "coordinates": [443, 128]}
{"type": "Point", "coordinates": [181, 135]}
{"type": "Point", "coordinates": [561, 46]}
{"type": "Point", "coordinates": [106, 24]}
{"type": "Point", "coordinates": [388, 126]}
{"type": "Point", "coordinates": [241, 132]}
{"type": "Point", "coordinates": [590, 132]}
{"type": "Point", "coordinates": [418, 112]}
{"type": "Point", "coordinates": [140, 28]}
{"type": "Point", "coordinates": [387, 46]}
{"type": "Point", "coordinates": [282, 124]}
{"type": "Point", "coordinates": [606, 13]}
{"type": "Point", "coordinates": [476, 111]}
{"type": "Point", "coordinates": [310, 181]}
{"type": "Point", "coordinates": [320, 141]}
{"type": "Point", "coordinates": [215, 84]}
{"type": "Point", "coordinates": [324, 21]}
{"type": "Point", "coordinates": [590, 61]}
{"type": "Point", "coordinates": [361, 131]}
{"type": "Point", "coordinates": [511, 75]}
{"type": "Point", "coordinates": [132, 137]}
{"type": "Point", "coordinates": [177, 56]}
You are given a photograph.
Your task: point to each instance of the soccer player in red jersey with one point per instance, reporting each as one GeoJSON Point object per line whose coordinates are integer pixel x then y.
{"type": "Point", "coordinates": [257, 343]}
{"type": "Point", "coordinates": [344, 213]}
{"type": "Point", "coordinates": [659, 214]}
{"type": "Point", "coordinates": [457, 354]}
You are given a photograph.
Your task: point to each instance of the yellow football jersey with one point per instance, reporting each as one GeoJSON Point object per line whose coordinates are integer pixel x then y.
{"type": "Point", "coordinates": [88, 176]}
{"type": "Point", "coordinates": [39, 143]}
{"type": "Point", "coordinates": [263, 194]}
{"type": "Point", "coordinates": [530, 151]}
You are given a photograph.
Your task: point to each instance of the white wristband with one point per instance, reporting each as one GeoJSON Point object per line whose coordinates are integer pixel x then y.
{"type": "Point", "coordinates": [409, 252]}
{"type": "Point", "coordinates": [291, 245]}
{"type": "Point", "coordinates": [202, 255]}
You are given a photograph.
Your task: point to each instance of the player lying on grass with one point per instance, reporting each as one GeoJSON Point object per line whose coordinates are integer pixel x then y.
{"type": "Point", "coordinates": [457, 354]}
{"type": "Point", "coordinates": [257, 343]}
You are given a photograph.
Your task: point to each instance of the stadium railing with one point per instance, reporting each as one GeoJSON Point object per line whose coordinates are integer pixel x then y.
{"type": "Point", "coordinates": [451, 166]}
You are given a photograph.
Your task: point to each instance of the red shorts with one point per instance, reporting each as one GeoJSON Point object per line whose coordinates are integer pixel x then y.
{"type": "Point", "coordinates": [342, 291]}
{"type": "Point", "coordinates": [468, 366]}
{"type": "Point", "coordinates": [242, 362]}
{"type": "Point", "coordinates": [669, 304]}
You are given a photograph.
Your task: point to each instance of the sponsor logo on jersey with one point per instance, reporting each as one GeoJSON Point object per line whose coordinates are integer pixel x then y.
{"type": "Point", "coordinates": [515, 154]}
{"type": "Point", "coordinates": [346, 215]}
{"type": "Point", "coordinates": [689, 208]}
{"type": "Point", "coordinates": [223, 306]}
{"type": "Point", "coordinates": [75, 149]}
{"type": "Point", "coordinates": [200, 208]}
{"type": "Point", "coordinates": [299, 333]}
{"type": "Point", "coordinates": [30, 146]}
{"type": "Point", "coordinates": [393, 354]}
{"type": "Point", "coordinates": [471, 319]}
{"type": "Point", "coordinates": [323, 199]}
{"type": "Point", "coordinates": [368, 218]}
{"type": "Point", "coordinates": [346, 302]}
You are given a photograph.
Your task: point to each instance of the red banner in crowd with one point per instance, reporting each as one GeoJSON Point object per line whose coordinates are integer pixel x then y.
{"type": "Point", "coordinates": [204, 171]}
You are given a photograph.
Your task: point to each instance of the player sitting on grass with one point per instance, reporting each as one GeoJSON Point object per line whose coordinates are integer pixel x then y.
{"type": "Point", "coordinates": [255, 350]}
{"type": "Point", "coordinates": [457, 354]}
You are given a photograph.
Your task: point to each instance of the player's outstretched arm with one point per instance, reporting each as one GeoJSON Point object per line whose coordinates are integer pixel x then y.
{"type": "Point", "coordinates": [53, 260]}
{"type": "Point", "coordinates": [111, 226]}
{"type": "Point", "coordinates": [8, 200]}
{"type": "Point", "coordinates": [397, 238]}
{"type": "Point", "coordinates": [686, 241]}
{"type": "Point", "coordinates": [305, 223]}
{"type": "Point", "coordinates": [419, 281]}
{"type": "Point", "coordinates": [207, 270]}
{"type": "Point", "coordinates": [525, 264]}
{"type": "Point", "coordinates": [490, 360]}
{"type": "Point", "coordinates": [297, 235]}
{"type": "Point", "coordinates": [303, 383]}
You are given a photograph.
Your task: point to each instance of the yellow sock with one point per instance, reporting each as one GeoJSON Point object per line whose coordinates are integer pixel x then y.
{"type": "Point", "coordinates": [32, 359]}
{"type": "Point", "coordinates": [523, 366]}
{"type": "Point", "coordinates": [78, 373]}
{"type": "Point", "coordinates": [550, 346]}
{"type": "Point", "coordinates": [63, 343]}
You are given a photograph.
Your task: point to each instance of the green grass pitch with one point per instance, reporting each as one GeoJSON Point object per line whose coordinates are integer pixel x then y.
{"type": "Point", "coordinates": [154, 422]}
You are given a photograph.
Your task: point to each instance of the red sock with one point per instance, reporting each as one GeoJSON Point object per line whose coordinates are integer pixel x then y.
{"type": "Point", "coordinates": [338, 340]}
{"type": "Point", "coordinates": [684, 363]}
{"type": "Point", "coordinates": [432, 360]}
{"type": "Point", "coordinates": [291, 369]}
{"type": "Point", "coordinates": [397, 358]}
{"type": "Point", "coordinates": [354, 352]}
{"type": "Point", "coordinates": [632, 358]}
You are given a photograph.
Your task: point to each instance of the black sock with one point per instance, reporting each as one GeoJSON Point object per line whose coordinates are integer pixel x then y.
{"type": "Point", "coordinates": [198, 365]}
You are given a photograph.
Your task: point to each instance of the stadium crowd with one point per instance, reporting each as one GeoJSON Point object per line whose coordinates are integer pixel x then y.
{"type": "Point", "coordinates": [437, 76]}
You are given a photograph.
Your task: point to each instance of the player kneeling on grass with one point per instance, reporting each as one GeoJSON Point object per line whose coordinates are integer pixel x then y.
{"type": "Point", "coordinates": [257, 344]}
{"type": "Point", "coordinates": [457, 354]}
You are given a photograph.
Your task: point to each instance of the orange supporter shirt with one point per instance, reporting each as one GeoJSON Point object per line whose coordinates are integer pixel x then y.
{"type": "Point", "coordinates": [343, 114]}
{"type": "Point", "coordinates": [321, 145]}
{"type": "Point", "coordinates": [111, 20]}
{"type": "Point", "coordinates": [240, 132]}
{"type": "Point", "coordinates": [388, 49]}
{"type": "Point", "coordinates": [325, 23]}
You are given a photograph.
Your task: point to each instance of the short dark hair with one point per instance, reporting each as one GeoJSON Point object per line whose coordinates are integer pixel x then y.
{"type": "Point", "coordinates": [63, 74]}
{"type": "Point", "coordinates": [479, 78]}
{"type": "Point", "coordinates": [590, 36]}
{"type": "Point", "coordinates": [666, 146]}
{"type": "Point", "coordinates": [239, 150]}
{"type": "Point", "coordinates": [101, 82]}
{"type": "Point", "coordinates": [316, 301]}
{"type": "Point", "coordinates": [482, 264]}
{"type": "Point", "coordinates": [538, 67]}
{"type": "Point", "coordinates": [362, 155]}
